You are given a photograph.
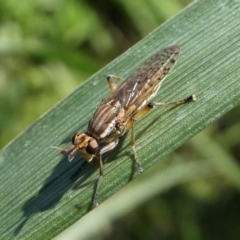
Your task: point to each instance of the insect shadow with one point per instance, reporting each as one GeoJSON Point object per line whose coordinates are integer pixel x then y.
{"type": "Point", "coordinates": [52, 190]}
{"type": "Point", "coordinates": [64, 177]}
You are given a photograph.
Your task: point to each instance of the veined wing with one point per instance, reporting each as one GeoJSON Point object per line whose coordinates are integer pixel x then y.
{"type": "Point", "coordinates": [142, 85]}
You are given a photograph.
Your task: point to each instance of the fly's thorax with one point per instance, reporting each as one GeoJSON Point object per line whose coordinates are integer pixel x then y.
{"type": "Point", "coordinates": [105, 122]}
{"type": "Point", "coordinates": [87, 146]}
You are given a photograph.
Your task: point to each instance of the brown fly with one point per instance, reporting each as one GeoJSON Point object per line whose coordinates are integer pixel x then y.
{"type": "Point", "coordinates": [119, 111]}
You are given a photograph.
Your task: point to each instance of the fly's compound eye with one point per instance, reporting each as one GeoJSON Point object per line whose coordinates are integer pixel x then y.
{"type": "Point", "coordinates": [92, 147]}
{"type": "Point", "coordinates": [74, 137]}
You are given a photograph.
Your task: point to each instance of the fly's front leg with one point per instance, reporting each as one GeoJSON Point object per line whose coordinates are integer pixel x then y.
{"type": "Point", "coordinates": [111, 84]}
{"type": "Point", "coordinates": [138, 164]}
{"type": "Point", "coordinates": [95, 199]}
{"type": "Point", "coordinates": [105, 149]}
{"type": "Point", "coordinates": [176, 103]}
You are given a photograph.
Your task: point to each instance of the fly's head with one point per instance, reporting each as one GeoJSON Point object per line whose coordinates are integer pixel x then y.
{"type": "Point", "coordinates": [86, 145]}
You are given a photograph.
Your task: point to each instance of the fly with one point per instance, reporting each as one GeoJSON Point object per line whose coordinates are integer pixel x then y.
{"type": "Point", "coordinates": [119, 111]}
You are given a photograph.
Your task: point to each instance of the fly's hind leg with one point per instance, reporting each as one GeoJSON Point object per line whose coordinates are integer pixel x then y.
{"type": "Point", "coordinates": [176, 103]}
{"type": "Point", "coordinates": [111, 84]}
{"type": "Point", "coordinates": [98, 159]}
{"type": "Point", "coordinates": [141, 113]}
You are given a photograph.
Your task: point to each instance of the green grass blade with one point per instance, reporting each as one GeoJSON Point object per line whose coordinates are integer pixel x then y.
{"type": "Point", "coordinates": [37, 197]}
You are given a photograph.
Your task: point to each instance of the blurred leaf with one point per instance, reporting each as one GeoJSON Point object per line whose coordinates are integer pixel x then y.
{"type": "Point", "coordinates": [140, 190]}
{"type": "Point", "coordinates": [36, 196]}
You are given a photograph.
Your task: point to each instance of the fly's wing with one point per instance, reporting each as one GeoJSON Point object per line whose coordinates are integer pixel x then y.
{"type": "Point", "coordinates": [142, 85]}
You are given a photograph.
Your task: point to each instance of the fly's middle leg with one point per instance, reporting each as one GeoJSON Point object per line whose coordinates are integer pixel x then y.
{"type": "Point", "coordinates": [98, 158]}
{"type": "Point", "coordinates": [144, 111]}
{"type": "Point", "coordinates": [130, 125]}
{"type": "Point", "coordinates": [111, 84]}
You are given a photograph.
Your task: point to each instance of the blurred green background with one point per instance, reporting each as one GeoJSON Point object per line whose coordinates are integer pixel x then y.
{"type": "Point", "coordinates": [48, 47]}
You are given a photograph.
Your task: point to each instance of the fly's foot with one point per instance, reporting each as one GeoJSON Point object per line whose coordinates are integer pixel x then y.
{"type": "Point", "coordinates": [139, 167]}
{"type": "Point", "coordinates": [95, 203]}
